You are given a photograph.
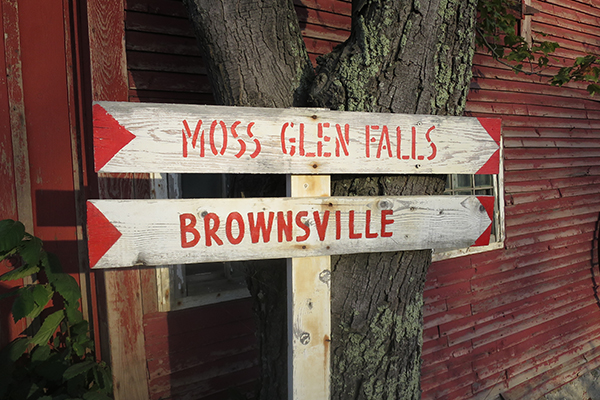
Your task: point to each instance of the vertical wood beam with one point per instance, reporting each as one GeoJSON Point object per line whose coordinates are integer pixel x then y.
{"type": "Point", "coordinates": [309, 311]}
{"type": "Point", "coordinates": [14, 73]}
{"type": "Point", "coordinates": [124, 305]}
{"type": "Point", "coordinates": [13, 144]}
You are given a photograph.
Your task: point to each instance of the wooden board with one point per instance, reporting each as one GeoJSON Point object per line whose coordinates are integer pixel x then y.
{"type": "Point", "coordinates": [142, 137]}
{"type": "Point", "coordinates": [309, 310]}
{"type": "Point", "coordinates": [125, 233]}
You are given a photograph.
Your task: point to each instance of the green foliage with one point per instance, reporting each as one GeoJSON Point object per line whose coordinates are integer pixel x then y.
{"type": "Point", "coordinates": [497, 33]}
{"type": "Point", "coordinates": [56, 361]}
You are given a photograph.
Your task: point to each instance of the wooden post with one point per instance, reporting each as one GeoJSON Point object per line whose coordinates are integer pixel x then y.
{"type": "Point", "coordinates": [309, 315]}
{"type": "Point", "coordinates": [123, 323]}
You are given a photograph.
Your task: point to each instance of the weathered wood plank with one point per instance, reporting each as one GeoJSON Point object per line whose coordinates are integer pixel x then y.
{"type": "Point", "coordinates": [155, 232]}
{"type": "Point", "coordinates": [133, 137]}
{"type": "Point", "coordinates": [309, 314]}
{"type": "Point", "coordinates": [122, 336]}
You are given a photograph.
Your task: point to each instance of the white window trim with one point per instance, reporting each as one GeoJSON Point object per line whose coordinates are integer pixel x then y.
{"type": "Point", "coordinates": [499, 214]}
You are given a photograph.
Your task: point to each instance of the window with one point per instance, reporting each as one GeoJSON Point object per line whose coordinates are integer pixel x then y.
{"type": "Point", "coordinates": [192, 285]}
{"type": "Point", "coordinates": [478, 185]}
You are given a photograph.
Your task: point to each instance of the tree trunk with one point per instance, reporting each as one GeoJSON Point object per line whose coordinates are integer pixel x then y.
{"type": "Point", "coordinates": [403, 57]}
{"type": "Point", "coordinates": [255, 56]}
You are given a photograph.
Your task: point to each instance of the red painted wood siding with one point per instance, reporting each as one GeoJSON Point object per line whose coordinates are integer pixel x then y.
{"type": "Point", "coordinates": [524, 320]}
{"type": "Point", "coordinates": [518, 321]}
{"type": "Point", "coordinates": [204, 352]}
{"type": "Point", "coordinates": [40, 112]}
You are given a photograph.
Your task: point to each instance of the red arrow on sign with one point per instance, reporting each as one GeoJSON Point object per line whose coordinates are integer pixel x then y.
{"type": "Point", "coordinates": [102, 234]}
{"type": "Point", "coordinates": [109, 136]}
{"type": "Point", "coordinates": [493, 127]}
{"type": "Point", "coordinates": [488, 203]}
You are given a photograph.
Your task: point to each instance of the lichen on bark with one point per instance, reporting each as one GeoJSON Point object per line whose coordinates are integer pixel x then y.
{"type": "Point", "coordinates": [403, 57]}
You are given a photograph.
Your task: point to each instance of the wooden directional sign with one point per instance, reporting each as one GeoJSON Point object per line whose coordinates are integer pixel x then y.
{"type": "Point", "coordinates": [142, 137]}
{"type": "Point", "coordinates": [154, 232]}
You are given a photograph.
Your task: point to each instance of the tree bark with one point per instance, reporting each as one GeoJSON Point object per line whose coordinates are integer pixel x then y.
{"type": "Point", "coordinates": [255, 56]}
{"type": "Point", "coordinates": [403, 57]}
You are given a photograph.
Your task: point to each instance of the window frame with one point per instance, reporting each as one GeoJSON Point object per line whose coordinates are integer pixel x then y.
{"type": "Point", "coordinates": [499, 219]}
{"type": "Point", "coordinates": [171, 279]}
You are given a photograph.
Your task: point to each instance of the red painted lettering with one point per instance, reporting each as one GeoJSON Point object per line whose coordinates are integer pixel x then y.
{"type": "Point", "coordinates": [398, 143]}
{"type": "Point", "coordinates": [213, 145]}
{"type": "Point", "coordinates": [284, 226]}
{"type": "Point", "coordinates": [210, 232]}
{"type": "Point", "coordinates": [240, 141]}
{"type": "Point", "coordinates": [237, 217]}
{"type": "Point", "coordinates": [259, 226]}
{"type": "Point", "coordinates": [302, 226]}
{"type": "Point", "coordinates": [368, 233]}
{"type": "Point", "coordinates": [301, 141]}
{"type": "Point", "coordinates": [256, 142]}
{"type": "Point", "coordinates": [342, 141]}
{"type": "Point", "coordinates": [283, 129]}
{"type": "Point", "coordinates": [385, 222]}
{"type": "Point", "coordinates": [384, 145]}
{"type": "Point", "coordinates": [187, 135]}
{"type": "Point", "coordinates": [353, 235]}
{"type": "Point", "coordinates": [338, 225]}
{"type": "Point", "coordinates": [321, 224]}
{"type": "Point", "coordinates": [368, 141]}
{"type": "Point", "coordinates": [187, 224]}
{"type": "Point", "coordinates": [413, 152]}
{"type": "Point", "coordinates": [433, 146]}
{"type": "Point", "coordinates": [325, 138]}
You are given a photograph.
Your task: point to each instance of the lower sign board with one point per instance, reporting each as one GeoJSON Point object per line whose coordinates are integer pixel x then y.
{"type": "Point", "coordinates": [124, 233]}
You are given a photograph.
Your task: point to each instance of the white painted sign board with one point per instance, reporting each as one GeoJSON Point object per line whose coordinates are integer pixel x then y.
{"type": "Point", "coordinates": [177, 138]}
{"type": "Point", "coordinates": [155, 232]}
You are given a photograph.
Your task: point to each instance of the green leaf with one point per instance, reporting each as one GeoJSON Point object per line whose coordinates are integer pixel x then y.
{"type": "Point", "coordinates": [23, 305]}
{"type": "Point", "coordinates": [31, 251]}
{"type": "Point", "coordinates": [13, 352]}
{"type": "Point", "coordinates": [74, 316]}
{"type": "Point", "coordinates": [21, 272]}
{"type": "Point", "coordinates": [40, 353]}
{"type": "Point", "coordinates": [11, 234]}
{"type": "Point", "coordinates": [41, 295]}
{"type": "Point", "coordinates": [49, 326]}
{"type": "Point", "coordinates": [78, 368]}
{"type": "Point", "coordinates": [593, 89]}
{"type": "Point", "coordinates": [63, 283]}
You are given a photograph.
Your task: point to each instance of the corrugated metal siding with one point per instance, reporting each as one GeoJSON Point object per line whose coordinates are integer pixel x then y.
{"type": "Point", "coordinates": [524, 320]}
{"type": "Point", "coordinates": [518, 321]}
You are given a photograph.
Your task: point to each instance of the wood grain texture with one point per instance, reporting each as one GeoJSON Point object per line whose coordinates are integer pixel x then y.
{"type": "Point", "coordinates": [309, 310]}
{"type": "Point", "coordinates": [156, 232]}
{"type": "Point", "coordinates": [15, 200]}
{"type": "Point", "coordinates": [123, 310]}
{"type": "Point", "coordinates": [188, 138]}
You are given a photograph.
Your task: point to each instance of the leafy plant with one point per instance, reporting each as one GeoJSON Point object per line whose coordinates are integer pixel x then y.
{"type": "Point", "coordinates": [496, 31]}
{"type": "Point", "coordinates": [57, 360]}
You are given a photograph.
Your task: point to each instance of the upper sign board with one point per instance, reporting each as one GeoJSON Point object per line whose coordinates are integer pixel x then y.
{"type": "Point", "coordinates": [124, 233]}
{"type": "Point", "coordinates": [142, 137]}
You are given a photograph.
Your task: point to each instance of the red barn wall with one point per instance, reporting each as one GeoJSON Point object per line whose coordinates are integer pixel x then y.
{"type": "Point", "coordinates": [42, 172]}
{"type": "Point", "coordinates": [518, 321]}
{"type": "Point", "coordinates": [524, 320]}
